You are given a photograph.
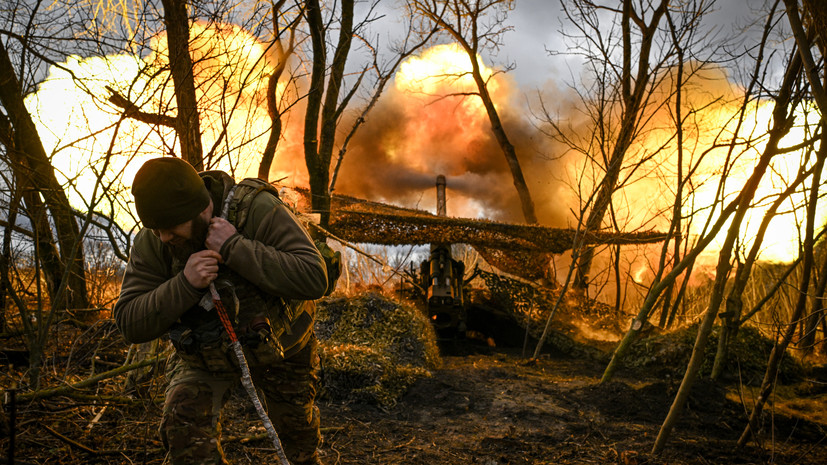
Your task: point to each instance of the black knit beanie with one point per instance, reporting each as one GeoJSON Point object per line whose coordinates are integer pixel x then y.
{"type": "Point", "coordinates": [168, 191]}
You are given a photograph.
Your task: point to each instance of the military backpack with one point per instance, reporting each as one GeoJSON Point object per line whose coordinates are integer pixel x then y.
{"type": "Point", "coordinates": [237, 207]}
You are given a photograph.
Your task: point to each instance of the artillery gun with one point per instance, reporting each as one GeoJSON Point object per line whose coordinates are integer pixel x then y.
{"type": "Point", "coordinates": [442, 278]}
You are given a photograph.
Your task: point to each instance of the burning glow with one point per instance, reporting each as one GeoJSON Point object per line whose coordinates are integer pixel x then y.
{"type": "Point", "coordinates": [595, 334]}
{"type": "Point", "coordinates": [419, 128]}
{"type": "Point", "coordinates": [638, 275]}
{"type": "Point", "coordinates": [785, 232]}
{"type": "Point", "coordinates": [645, 201]}
{"type": "Point", "coordinates": [455, 123]}
{"type": "Point", "coordinates": [429, 122]}
{"type": "Point", "coordinates": [441, 66]}
{"type": "Point", "coordinates": [77, 130]}
{"type": "Point", "coordinates": [87, 136]}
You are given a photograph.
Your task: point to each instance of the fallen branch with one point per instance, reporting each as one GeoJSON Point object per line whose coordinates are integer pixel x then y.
{"type": "Point", "coordinates": [69, 441]}
{"type": "Point", "coordinates": [106, 400]}
{"type": "Point", "coordinates": [44, 393]}
{"type": "Point", "coordinates": [264, 436]}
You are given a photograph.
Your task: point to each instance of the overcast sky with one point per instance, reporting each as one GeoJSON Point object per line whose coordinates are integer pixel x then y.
{"type": "Point", "coordinates": [536, 30]}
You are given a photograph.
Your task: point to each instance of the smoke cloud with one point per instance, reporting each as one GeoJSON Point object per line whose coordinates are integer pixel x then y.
{"type": "Point", "coordinates": [420, 128]}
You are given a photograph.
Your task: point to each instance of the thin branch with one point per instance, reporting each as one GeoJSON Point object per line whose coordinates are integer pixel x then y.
{"type": "Point", "coordinates": [44, 393]}
{"type": "Point", "coordinates": [131, 111]}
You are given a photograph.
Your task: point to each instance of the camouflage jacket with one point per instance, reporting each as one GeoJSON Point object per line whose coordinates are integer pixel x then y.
{"type": "Point", "coordinates": [273, 254]}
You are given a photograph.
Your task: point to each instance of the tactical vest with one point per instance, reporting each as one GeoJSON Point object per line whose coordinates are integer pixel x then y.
{"type": "Point", "coordinates": [260, 319]}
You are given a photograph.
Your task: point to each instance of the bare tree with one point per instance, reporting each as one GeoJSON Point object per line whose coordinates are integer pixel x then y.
{"type": "Point", "coordinates": [34, 192]}
{"type": "Point", "coordinates": [634, 81]}
{"type": "Point", "coordinates": [187, 122]}
{"type": "Point", "coordinates": [273, 109]}
{"type": "Point", "coordinates": [783, 118]}
{"type": "Point", "coordinates": [330, 95]}
{"type": "Point", "coordinates": [732, 317]}
{"type": "Point", "coordinates": [43, 196]}
{"type": "Point", "coordinates": [806, 63]}
{"type": "Point", "coordinates": [637, 105]}
{"type": "Point", "coordinates": [816, 19]}
{"type": "Point", "coordinates": [323, 105]}
{"type": "Point", "coordinates": [476, 27]}
{"type": "Point", "coordinates": [385, 71]}
{"type": "Point", "coordinates": [45, 235]}
{"type": "Point", "coordinates": [808, 259]}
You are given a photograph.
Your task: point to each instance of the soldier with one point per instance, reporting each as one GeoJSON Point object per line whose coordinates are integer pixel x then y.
{"type": "Point", "coordinates": [267, 274]}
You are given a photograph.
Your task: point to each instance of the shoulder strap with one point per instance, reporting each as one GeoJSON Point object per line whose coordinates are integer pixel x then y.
{"type": "Point", "coordinates": [238, 201]}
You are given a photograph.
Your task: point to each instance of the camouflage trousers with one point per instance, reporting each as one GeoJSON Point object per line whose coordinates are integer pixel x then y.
{"type": "Point", "coordinates": [190, 427]}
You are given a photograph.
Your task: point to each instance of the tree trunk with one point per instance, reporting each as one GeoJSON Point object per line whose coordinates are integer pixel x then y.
{"type": "Point", "coordinates": [35, 174]}
{"type": "Point", "coordinates": [734, 302]}
{"type": "Point", "coordinates": [657, 288]}
{"type": "Point", "coordinates": [633, 102]}
{"type": "Point", "coordinates": [269, 153]}
{"type": "Point", "coordinates": [816, 317]}
{"type": "Point", "coordinates": [331, 110]}
{"type": "Point", "coordinates": [808, 341]}
{"type": "Point", "coordinates": [502, 139]}
{"type": "Point", "coordinates": [319, 197]}
{"type": "Point", "coordinates": [469, 40]}
{"type": "Point", "coordinates": [818, 27]}
{"type": "Point", "coordinates": [187, 121]}
{"type": "Point", "coordinates": [319, 143]}
{"type": "Point", "coordinates": [782, 122]}
{"type": "Point", "coordinates": [780, 348]}
{"type": "Point", "coordinates": [676, 304]}
{"type": "Point", "coordinates": [5, 287]}
{"type": "Point", "coordinates": [676, 208]}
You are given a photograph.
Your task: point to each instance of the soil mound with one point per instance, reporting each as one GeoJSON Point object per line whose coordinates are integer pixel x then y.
{"type": "Point", "coordinates": [373, 348]}
{"type": "Point", "coordinates": [668, 353]}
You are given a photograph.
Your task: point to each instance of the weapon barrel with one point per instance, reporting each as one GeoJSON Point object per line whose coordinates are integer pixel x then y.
{"type": "Point", "coordinates": [441, 209]}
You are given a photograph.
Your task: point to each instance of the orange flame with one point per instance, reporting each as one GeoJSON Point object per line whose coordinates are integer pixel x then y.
{"type": "Point", "coordinates": [78, 128]}
{"type": "Point", "coordinates": [428, 123]}
{"type": "Point", "coordinates": [431, 123]}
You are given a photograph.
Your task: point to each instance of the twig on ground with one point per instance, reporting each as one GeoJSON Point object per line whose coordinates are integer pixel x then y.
{"type": "Point", "coordinates": [69, 441]}
{"type": "Point", "coordinates": [66, 390]}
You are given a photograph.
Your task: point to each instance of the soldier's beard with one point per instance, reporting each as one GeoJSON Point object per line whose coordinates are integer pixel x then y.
{"type": "Point", "coordinates": [182, 252]}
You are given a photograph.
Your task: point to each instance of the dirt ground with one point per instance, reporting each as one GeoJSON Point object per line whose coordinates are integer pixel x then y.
{"type": "Point", "coordinates": [485, 406]}
{"type": "Point", "coordinates": [492, 407]}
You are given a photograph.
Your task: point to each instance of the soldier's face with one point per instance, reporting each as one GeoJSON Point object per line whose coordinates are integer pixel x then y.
{"type": "Point", "coordinates": [186, 238]}
{"type": "Point", "coordinates": [176, 235]}
{"type": "Point", "coordinates": [191, 234]}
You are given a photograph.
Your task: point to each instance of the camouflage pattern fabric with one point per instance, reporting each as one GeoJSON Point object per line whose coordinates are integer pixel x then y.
{"type": "Point", "coordinates": [191, 429]}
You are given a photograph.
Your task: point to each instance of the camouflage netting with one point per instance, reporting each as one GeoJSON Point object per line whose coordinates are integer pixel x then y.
{"type": "Point", "coordinates": [514, 248]}
{"type": "Point", "coordinates": [574, 323]}
{"type": "Point", "coordinates": [747, 361]}
{"type": "Point", "coordinates": [373, 348]}
{"type": "Point", "coordinates": [523, 263]}
{"type": "Point", "coordinates": [577, 321]}
{"type": "Point", "coordinates": [517, 296]}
